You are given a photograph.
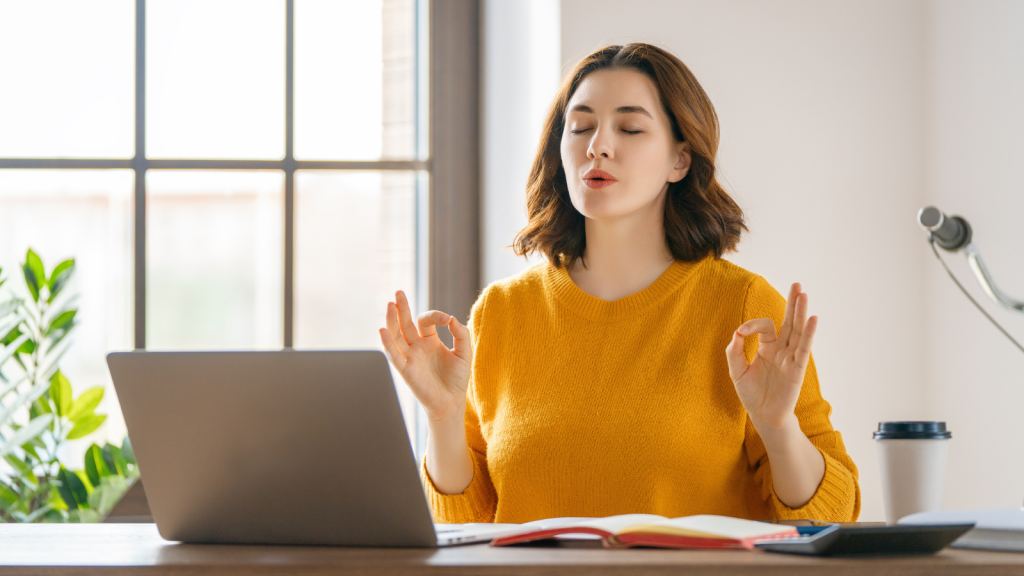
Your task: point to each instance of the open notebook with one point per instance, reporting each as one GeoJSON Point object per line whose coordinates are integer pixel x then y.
{"type": "Point", "coordinates": [627, 530]}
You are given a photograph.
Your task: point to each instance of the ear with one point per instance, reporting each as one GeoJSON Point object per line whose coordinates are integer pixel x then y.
{"type": "Point", "coordinates": [682, 165]}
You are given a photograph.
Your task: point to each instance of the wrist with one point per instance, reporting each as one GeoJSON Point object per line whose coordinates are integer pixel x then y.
{"type": "Point", "coordinates": [454, 419]}
{"type": "Point", "coordinates": [454, 414]}
{"type": "Point", "coordinates": [779, 432]}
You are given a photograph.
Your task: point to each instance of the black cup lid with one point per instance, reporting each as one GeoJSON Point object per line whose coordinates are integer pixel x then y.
{"type": "Point", "coordinates": [912, 431]}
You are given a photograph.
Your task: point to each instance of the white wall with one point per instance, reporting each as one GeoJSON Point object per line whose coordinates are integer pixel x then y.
{"type": "Point", "coordinates": [839, 121]}
{"type": "Point", "coordinates": [975, 168]}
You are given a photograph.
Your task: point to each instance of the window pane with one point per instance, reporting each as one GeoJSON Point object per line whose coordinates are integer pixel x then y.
{"type": "Point", "coordinates": [355, 79]}
{"type": "Point", "coordinates": [215, 79]}
{"type": "Point", "coordinates": [355, 245]}
{"type": "Point", "coordinates": [68, 79]}
{"type": "Point", "coordinates": [85, 215]}
{"type": "Point", "coordinates": [214, 260]}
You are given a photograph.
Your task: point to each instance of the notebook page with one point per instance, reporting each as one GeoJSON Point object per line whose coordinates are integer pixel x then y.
{"type": "Point", "coordinates": [710, 526]}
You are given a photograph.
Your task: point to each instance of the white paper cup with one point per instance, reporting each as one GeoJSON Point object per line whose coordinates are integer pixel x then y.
{"type": "Point", "coordinates": [912, 457]}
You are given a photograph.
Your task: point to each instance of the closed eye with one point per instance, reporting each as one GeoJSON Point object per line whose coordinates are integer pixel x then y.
{"type": "Point", "coordinates": [632, 131]}
{"type": "Point", "coordinates": [578, 131]}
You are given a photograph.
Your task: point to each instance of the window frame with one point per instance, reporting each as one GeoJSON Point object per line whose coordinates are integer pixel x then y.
{"type": "Point", "coordinates": [447, 135]}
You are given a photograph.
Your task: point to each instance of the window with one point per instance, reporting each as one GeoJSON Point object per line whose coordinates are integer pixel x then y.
{"type": "Point", "coordinates": [240, 174]}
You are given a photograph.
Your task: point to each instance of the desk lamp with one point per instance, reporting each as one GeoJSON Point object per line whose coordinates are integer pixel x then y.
{"type": "Point", "coordinates": [953, 234]}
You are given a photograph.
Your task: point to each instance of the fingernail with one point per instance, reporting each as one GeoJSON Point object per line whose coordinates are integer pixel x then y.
{"type": "Point", "coordinates": [445, 318]}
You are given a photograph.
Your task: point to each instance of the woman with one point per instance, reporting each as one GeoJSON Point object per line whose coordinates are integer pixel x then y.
{"type": "Point", "coordinates": [635, 371]}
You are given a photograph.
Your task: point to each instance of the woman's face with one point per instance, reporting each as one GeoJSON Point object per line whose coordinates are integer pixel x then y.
{"type": "Point", "coordinates": [618, 150]}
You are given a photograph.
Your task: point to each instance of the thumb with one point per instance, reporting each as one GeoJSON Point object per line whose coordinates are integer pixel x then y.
{"type": "Point", "coordinates": [735, 357]}
{"type": "Point", "coordinates": [461, 337]}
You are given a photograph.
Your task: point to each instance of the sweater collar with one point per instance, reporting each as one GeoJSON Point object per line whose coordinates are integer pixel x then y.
{"type": "Point", "coordinates": [558, 282]}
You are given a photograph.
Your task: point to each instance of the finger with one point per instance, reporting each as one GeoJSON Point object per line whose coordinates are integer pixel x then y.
{"type": "Point", "coordinates": [799, 321]}
{"type": "Point", "coordinates": [803, 352]}
{"type": "Point", "coordinates": [787, 321]}
{"type": "Point", "coordinates": [735, 357]}
{"type": "Point", "coordinates": [463, 342]}
{"type": "Point", "coordinates": [405, 318]}
{"type": "Point", "coordinates": [428, 321]}
{"type": "Point", "coordinates": [396, 357]}
{"type": "Point", "coordinates": [394, 330]}
{"type": "Point", "coordinates": [763, 327]}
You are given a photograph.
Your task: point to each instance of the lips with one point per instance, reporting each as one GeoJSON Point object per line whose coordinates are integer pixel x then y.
{"type": "Point", "coordinates": [595, 178]}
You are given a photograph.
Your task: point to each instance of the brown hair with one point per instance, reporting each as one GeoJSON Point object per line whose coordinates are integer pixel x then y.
{"type": "Point", "coordinates": [700, 216]}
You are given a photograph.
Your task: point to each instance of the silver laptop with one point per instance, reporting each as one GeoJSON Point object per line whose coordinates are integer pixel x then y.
{"type": "Point", "coordinates": [277, 448]}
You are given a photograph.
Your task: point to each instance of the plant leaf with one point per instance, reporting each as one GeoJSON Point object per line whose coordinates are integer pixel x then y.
{"type": "Point", "coordinates": [72, 489]}
{"type": "Point", "coordinates": [7, 495]}
{"type": "Point", "coordinates": [26, 433]}
{"type": "Point", "coordinates": [31, 450]}
{"type": "Point", "coordinates": [70, 304]}
{"type": "Point", "coordinates": [42, 406]}
{"type": "Point", "coordinates": [9, 327]}
{"type": "Point", "coordinates": [86, 426]}
{"type": "Point", "coordinates": [11, 336]}
{"type": "Point", "coordinates": [28, 347]}
{"type": "Point", "coordinates": [95, 467]}
{"type": "Point", "coordinates": [54, 497]}
{"type": "Point", "coordinates": [24, 469]}
{"type": "Point", "coordinates": [60, 393]}
{"type": "Point", "coordinates": [38, 512]}
{"type": "Point", "coordinates": [61, 319]}
{"type": "Point", "coordinates": [86, 403]}
{"type": "Point", "coordinates": [59, 278]}
{"type": "Point", "coordinates": [12, 348]}
{"type": "Point", "coordinates": [35, 274]}
{"type": "Point", "coordinates": [128, 451]}
{"type": "Point", "coordinates": [9, 306]}
{"type": "Point", "coordinates": [26, 397]}
{"type": "Point", "coordinates": [61, 324]}
{"type": "Point", "coordinates": [12, 386]}
{"type": "Point", "coordinates": [52, 360]}
{"type": "Point", "coordinates": [108, 493]}
{"type": "Point", "coordinates": [115, 460]}
{"type": "Point", "coordinates": [56, 338]}
{"type": "Point", "coordinates": [84, 516]}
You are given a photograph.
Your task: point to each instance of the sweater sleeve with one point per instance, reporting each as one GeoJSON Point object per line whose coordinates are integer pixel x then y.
{"type": "Point", "coordinates": [478, 502]}
{"type": "Point", "coordinates": [837, 498]}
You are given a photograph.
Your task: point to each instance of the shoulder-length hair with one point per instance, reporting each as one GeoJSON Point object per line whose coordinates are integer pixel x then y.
{"type": "Point", "coordinates": [700, 216]}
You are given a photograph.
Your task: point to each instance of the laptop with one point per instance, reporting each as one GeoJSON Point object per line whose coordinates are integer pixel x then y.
{"type": "Point", "coordinates": [282, 447]}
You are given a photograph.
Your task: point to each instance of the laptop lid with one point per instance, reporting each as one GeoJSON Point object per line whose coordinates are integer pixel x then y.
{"type": "Point", "coordinates": [281, 447]}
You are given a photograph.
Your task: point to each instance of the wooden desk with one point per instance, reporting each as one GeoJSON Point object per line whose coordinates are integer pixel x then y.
{"type": "Point", "coordinates": [138, 549]}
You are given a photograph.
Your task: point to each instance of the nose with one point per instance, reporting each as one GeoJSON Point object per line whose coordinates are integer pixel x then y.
{"type": "Point", "coordinates": [599, 146]}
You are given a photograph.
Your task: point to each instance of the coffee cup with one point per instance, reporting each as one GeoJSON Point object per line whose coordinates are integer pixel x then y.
{"type": "Point", "coordinates": [912, 457]}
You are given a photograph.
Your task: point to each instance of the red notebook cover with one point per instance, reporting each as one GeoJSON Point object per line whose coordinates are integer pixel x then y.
{"type": "Point", "coordinates": [545, 534]}
{"type": "Point", "coordinates": [667, 541]}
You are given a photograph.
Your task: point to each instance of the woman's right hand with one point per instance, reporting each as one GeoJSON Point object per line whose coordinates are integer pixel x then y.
{"type": "Point", "coordinates": [437, 376]}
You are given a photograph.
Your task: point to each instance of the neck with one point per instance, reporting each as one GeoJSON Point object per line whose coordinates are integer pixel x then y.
{"type": "Point", "coordinates": [624, 255]}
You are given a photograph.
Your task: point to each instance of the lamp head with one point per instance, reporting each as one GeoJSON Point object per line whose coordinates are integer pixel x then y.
{"type": "Point", "coordinates": [951, 233]}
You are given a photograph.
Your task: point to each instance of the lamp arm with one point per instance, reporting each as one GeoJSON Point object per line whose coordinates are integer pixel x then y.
{"type": "Point", "coordinates": [985, 279]}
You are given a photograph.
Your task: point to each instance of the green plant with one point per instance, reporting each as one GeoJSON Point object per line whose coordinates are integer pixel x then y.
{"type": "Point", "coordinates": [39, 414]}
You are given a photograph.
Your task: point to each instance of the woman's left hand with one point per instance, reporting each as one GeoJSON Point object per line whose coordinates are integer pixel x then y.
{"type": "Point", "coordinates": [769, 386]}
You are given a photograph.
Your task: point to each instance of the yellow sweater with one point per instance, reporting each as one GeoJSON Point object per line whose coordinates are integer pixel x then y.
{"type": "Point", "coordinates": [582, 407]}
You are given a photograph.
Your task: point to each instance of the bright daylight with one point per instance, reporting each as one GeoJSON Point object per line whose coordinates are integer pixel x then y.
{"type": "Point", "coordinates": [511, 287]}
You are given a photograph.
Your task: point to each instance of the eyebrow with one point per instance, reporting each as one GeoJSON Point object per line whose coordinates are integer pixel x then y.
{"type": "Point", "coordinates": [620, 110]}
